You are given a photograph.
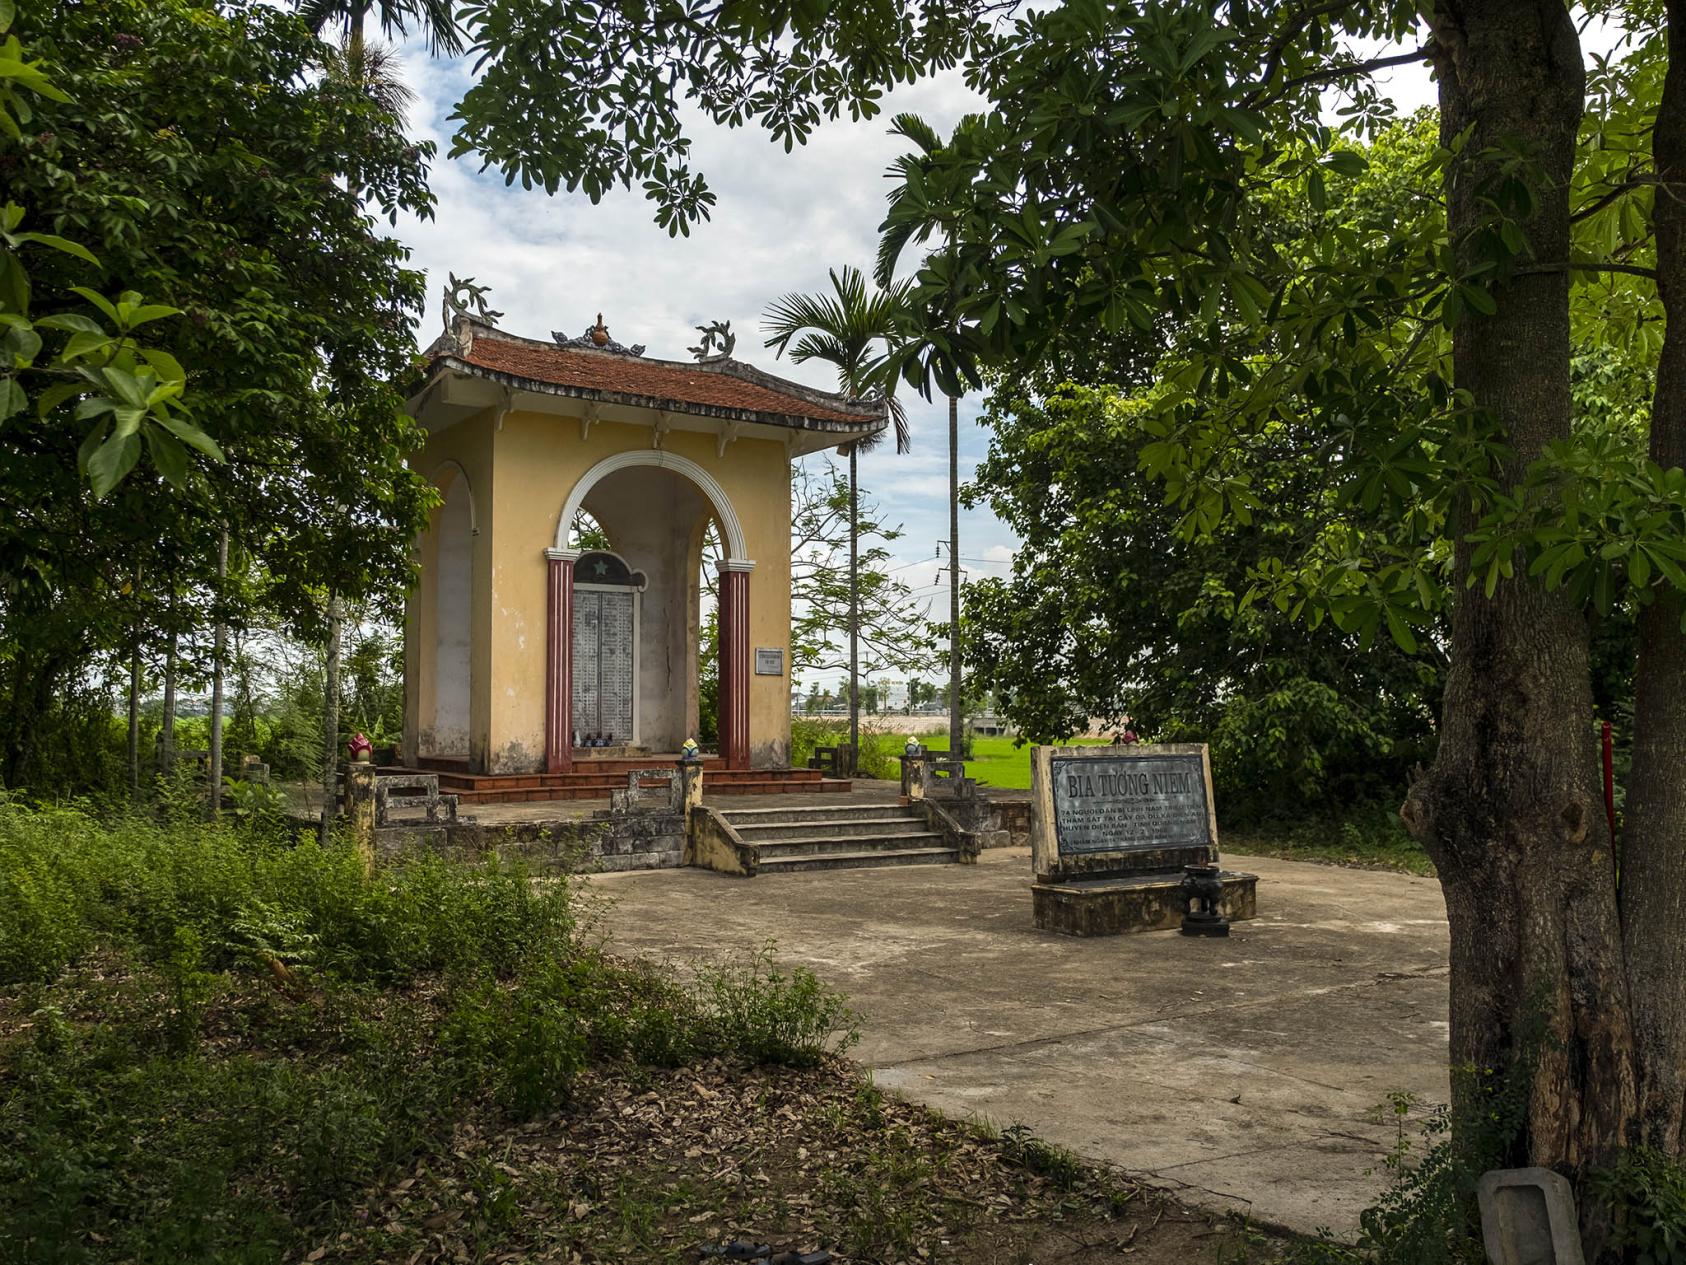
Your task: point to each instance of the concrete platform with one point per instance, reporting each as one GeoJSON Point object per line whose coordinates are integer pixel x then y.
{"type": "Point", "coordinates": [1125, 904]}
{"type": "Point", "coordinates": [1242, 1071]}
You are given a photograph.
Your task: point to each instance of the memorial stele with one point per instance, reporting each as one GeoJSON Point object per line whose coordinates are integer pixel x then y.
{"type": "Point", "coordinates": [1112, 830]}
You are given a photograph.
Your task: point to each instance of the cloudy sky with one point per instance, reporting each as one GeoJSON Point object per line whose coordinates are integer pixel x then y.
{"type": "Point", "coordinates": [781, 221]}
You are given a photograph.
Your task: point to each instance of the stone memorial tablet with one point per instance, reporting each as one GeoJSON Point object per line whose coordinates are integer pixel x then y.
{"type": "Point", "coordinates": [1112, 830]}
{"type": "Point", "coordinates": [1129, 802]}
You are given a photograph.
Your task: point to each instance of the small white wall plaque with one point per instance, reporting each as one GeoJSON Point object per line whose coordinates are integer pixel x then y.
{"type": "Point", "coordinates": [769, 661]}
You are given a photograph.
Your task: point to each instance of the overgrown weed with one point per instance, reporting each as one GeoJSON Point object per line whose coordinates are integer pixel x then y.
{"type": "Point", "coordinates": [212, 1038]}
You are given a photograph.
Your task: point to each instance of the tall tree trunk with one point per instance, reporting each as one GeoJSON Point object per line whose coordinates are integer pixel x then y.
{"type": "Point", "coordinates": [854, 618]}
{"type": "Point", "coordinates": [134, 714]}
{"type": "Point", "coordinates": [331, 720]}
{"type": "Point", "coordinates": [1653, 852]}
{"type": "Point", "coordinates": [1510, 812]}
{"type": "Point", "coordinates": [167, 725]}
{"type": "Point", "coordinates": [956, 723]}
{"type": "Point", "coordinates": [219, 643]}
{"type": "Point", "coordinates": [135, 690]}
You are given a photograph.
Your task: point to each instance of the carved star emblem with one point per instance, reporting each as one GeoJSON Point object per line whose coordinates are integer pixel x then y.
{"type": "Point", "coordinates": [602, 568]}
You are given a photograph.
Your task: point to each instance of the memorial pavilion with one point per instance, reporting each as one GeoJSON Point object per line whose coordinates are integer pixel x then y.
{"type": "Point", "coordinates": [525, 653]}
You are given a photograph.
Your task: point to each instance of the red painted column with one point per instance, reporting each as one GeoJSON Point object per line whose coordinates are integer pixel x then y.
{"type": "Point", "coordinates": [559, 668]}
{"type": "Point", "coordinates": [734, 664]}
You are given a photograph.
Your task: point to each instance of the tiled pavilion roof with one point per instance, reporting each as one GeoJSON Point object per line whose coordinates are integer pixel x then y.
{"type": "Point", "coordinates": [719, 387]}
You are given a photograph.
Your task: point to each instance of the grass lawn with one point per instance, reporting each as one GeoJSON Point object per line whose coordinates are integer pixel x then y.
{"type": "Point", "coordinates": [1362, 844]}
{"type": "Point", "coordinates": [998, 761]}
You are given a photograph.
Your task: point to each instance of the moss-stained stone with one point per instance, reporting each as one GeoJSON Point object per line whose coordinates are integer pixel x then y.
{"type": "Point", "coordinates": [601, 843]}
{"type": "Point", "coordinates": [1139, 902]}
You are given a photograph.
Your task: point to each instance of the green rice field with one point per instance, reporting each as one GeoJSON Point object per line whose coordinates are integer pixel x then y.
{"type": "Point", "coordinates": [997, 761]}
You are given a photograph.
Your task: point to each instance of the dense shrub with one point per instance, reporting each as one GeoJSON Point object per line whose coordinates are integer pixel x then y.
{"type": "Point", "coordinates": [773, 1016]}
{"type": "Point", "coordinates": [212, 1041]}
{"type": "Point", "coordinates": [879, 748]}
{"type": "Point", "coordinates": [68, 878]}
{"type": "Point", "coordinates": [1645, 1191]}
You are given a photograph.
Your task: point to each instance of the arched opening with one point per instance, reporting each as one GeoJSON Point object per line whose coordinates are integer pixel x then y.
{"type": "Point", "coordinates": [585, 532]}
{"type": "Point", "coordinates": [453, 619]}
{"type": "Point", "coordinates": [636, 655]}
{"type": "Point", "coordinates": [655, 507]}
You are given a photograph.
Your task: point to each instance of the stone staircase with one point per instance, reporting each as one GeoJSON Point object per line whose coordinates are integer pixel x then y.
{"type": "Point", "coordinates": [842, 837]}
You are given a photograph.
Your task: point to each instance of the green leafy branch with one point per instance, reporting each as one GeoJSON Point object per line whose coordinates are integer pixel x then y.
{"type": "Point", "coordinates": [132, 394]}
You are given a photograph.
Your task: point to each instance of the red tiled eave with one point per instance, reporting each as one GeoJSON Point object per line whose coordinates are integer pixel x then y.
{"type": "Point", "coordinates": [724, 388]}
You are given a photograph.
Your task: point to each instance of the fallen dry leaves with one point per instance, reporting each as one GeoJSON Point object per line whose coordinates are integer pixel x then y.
{"type": "Point", "coordinates": [652, 1166]}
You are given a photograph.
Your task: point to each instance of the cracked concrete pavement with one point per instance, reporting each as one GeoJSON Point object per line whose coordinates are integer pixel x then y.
{"type": "Point", "coordinates": [1244, 1073]}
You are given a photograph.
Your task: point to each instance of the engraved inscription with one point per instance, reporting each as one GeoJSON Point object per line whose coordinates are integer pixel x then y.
{"type": "Point", "coordinates": [602, 664]}
{"type": "Point", "coordinates": [616, 657]}
{"type": "Point", "coordinates": [1129, 802]}
{"type": "Point", "coordinates": [588, 612]}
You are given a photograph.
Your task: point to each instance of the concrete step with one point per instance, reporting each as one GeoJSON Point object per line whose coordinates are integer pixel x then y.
{"type": "Point", "coordinates": [860, 860]}
{"type": "Point", "coordinates": [783, 849]}
{"type": "Point", "coordinates": [816, 813]}
{"type": "Point", "coordinates": [837, 828]}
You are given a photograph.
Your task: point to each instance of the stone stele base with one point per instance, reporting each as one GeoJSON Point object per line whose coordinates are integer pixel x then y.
{"type": "Point", "coordinates": [1135, 902]}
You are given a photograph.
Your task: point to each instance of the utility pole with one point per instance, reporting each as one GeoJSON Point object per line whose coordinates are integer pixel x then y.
{"type": "Point", "coordinates": [854, 619]}
{"type": "Point", "coordinates": [955, 736]}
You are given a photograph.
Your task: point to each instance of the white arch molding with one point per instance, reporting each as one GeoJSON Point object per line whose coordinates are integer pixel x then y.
{"type": "Point", "coordinates": [706, 483]}
{"type": "Point", "coordinates": [455, 470]}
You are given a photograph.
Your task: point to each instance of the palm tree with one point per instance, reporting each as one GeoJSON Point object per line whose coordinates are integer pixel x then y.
{"type": "Point", "coordinates": [853, 329]}
{"type": "Point", "coordinates": [905, 223]}
{"type": "Point", "coordinates": [373, 70]}
{"type": "Point", "coordinates": [434, 19]}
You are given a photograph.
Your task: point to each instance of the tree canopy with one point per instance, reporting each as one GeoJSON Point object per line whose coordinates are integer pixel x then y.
{"type": "Point", "coordinates": [268, 288]}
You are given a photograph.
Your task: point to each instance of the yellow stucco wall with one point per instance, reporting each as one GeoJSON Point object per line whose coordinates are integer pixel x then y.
{"type": "Point", "coordinates": [522, 473]}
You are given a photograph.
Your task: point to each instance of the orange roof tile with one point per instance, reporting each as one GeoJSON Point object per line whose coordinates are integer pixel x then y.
{"type": "Point", "coordinates": [654, 380]}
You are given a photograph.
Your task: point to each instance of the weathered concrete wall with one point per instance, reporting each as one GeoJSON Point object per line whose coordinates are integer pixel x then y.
{"type": "Point", "coordinates": [993, 822]}
{"type": "Point", "coordinates": [638, 841]}
{"type": "Point", "coordinates": [714, 845]}
{"type": "Point", "coordinates": [1010, 827]}
{"type": "Point", "coordinates": [453, 589]}
{"type": "Point", "coordinates": [463, 453]}
{"type": "Point", "coordinates": [957, 820]}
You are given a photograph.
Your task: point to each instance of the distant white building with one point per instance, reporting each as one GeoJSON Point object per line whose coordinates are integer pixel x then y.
{"type": "Point", "coordinates": [892, 696]}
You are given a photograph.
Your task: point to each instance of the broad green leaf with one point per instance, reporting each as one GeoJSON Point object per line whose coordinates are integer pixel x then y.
{"type": "Point", "coordinates": [111, 461]}
{"type": "Point", "coordinates": [168, 455]}
{"type": "Point", "coordinates": [190, 434]}
{"type": "Point", "coordinates": [60, 243]}
{"type": "Point", "coordinates": [73, 321]}
{"type": "Point", "coordinates": [13, 400]}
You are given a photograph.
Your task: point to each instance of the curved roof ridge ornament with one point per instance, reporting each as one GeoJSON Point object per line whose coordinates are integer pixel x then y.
{"type": "Point", "coordinates": [596, 338]}
{"type": "Point", "coordinates": [715, 332]}
{"type": "Point", "coordinates": [465, 299]}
